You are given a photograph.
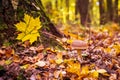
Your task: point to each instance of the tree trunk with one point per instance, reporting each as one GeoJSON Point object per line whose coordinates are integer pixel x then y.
{"type": "Point", "coordinates": [7, 20]}
{"type": "Point", "coordinates": [110, 11]}
{"type": "Point", "coordinates": [111, 15]}
{"type": "Point", "coordinates": [8, 14]}
{"type": "Point", "coordinates": [76, 7]}
{"type": "Point", "coordinates": [47, 22]}
{"type": "Point", "coordinates": [102, 12]}
{"type": "Point", "coordinates": [67, 6]}
{"type": "Point", "coordinates": [83, 6]}
{"type": "Point", "coordinates": [116, 19]}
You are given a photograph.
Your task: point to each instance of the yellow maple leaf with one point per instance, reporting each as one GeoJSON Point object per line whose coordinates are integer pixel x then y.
{"type": "Point", "coordinates": [29, 29]}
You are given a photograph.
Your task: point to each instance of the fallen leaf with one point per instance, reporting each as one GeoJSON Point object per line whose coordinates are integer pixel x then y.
{"type": "Point", "coordinates": [7, 62]}
{"type": "Point", "coordinates": [113, 77]}
{"type": "Point", "coordinates": [73, 67]}
{"type": "Point", "coordinates": [32, 77]}
{"type": "Point", "coordinates": [41, 63]}
{"type": "Point", "coordinates": [29, 29]}
{"type": "Point", "coordinates": [94, 74]}
{"type": "Point", "coordinates": [40, 49]}
{"type": "Point", "coordinates": [32, 48]}
{"type": "Point", "coordinates": [101, 71]}
{"type": "Point", "coordinates": [16, 58]}
{"type": "Point", "coordinates": [2, 51]}
{"type": "Point", "coordinates": [59, 61]}
{"type": "Point", "coordinates": [25, 66]}
{"type": "Point", "coordinates": [84, 71]}
{"type": "Point", "coordinates": [56, 74]}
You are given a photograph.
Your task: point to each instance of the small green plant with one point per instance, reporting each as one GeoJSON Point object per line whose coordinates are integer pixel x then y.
{"type": "Point", "coordinates": [29, 29]}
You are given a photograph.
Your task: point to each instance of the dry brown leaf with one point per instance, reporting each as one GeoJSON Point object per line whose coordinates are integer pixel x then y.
{"type": "Point", "coordinates": [16, 58]}
{"type": "Point", "coordinates": [2, 51]}
{"type": "Point", "coordinates": [56, 74]}
{"type": "Point", "coordinates": [41, 63]}
{"type": "Point", "coordinates": [40, 48]}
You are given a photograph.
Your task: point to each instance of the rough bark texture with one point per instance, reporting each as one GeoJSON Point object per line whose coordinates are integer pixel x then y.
{"type": "Point", "coordinates": [29, 6]}
{"type": "Point", "coordinates": [9, 16]}
{"type": "Point", "coordinates": [7, 19]}
{"type": "Point", "coordinates": [47, 24]}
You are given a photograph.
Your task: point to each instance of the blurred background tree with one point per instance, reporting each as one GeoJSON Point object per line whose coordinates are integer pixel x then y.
{"type": "Point", "coordinates": [85, 11]}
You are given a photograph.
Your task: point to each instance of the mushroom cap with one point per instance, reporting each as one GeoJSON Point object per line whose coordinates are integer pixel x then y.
{"type": "Point", "coordinates": [79, 44]}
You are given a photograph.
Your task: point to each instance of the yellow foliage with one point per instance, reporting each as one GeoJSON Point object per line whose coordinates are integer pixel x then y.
{"type": "Point", "coordinates": [7, 62]}
{"type": "Point", "coordinates": [29, 29]}
{"type": "Point", "coordinates": [94, 74]}
{"type": "Point", "coordinates": [117, 48]}
{"type": "Point", "coordinates": [59, 59]}
{"type": "Point", "coordinates": [108, 49]}
{"type": "Point", "coordinates": [85, 71]}
{"type": "Point", "coordinates": [25, 66]}
{"type": "Point", "coordinates": [73, 66]}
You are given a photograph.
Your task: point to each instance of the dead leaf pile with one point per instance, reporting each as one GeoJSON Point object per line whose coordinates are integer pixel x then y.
{"type": "Point", "coordinates": [100, 60]}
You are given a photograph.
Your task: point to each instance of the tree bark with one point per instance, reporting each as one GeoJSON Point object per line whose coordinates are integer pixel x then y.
{"type": "Point", "coordinates": [110, 11]}
{"type": "Point", "coordinates": [116, 19]}
{"type": "Point", "coordinates": [111, 15]}
{"type": "Point", "coordinates": [67, 6]}
{"type": "Point", "coordinates": [83, 6]}
{"type": "Point", "coordinates": [46, 21]}
{"type": "Point", "coordinates": [31, 7]}
{"type": "Point", "coordinates": [7, 20]}
{"type": "Point", "coordinates": [102, 12]}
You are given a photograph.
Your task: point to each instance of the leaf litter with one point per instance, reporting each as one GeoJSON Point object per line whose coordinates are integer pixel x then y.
{"type": "Point", "coordinates": [99, 61]}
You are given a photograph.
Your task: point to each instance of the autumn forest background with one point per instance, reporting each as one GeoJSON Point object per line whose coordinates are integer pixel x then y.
{"type": "Point", "coordinates": [59, 39]}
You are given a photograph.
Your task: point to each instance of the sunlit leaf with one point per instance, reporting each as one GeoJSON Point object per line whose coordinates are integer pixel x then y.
{"type": "Point", "coordinates": [29, 29]}
{"type": "Point", "coordinates": [94, 74]}
{"type": "Point", "coordinates": [73, 67]}
{"type": "Point", "coordinates": [20, 36]}
{"type": "Point", "coordinates": [85, 71]}
{"type": "Point", "coordinates": [40, 63]}
{"type": "Point", "coordinates": [117, 48]}
{"type": "Point", "coordinates": [20, 26]}
{"type": "Point", "coordinates": [7, 62]}
{"type": "Point", "coordinates": [59, 59]}
{"type": "Point", "coordinates": [101, 71]}
{"type": "Point", "coordinates": [25, 66]}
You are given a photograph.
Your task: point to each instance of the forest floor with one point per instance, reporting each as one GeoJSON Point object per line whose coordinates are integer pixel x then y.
{"type": "Point", "coordinates": [100, 61]}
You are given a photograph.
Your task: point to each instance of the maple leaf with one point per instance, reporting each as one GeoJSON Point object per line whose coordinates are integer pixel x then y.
{"type": "Point", "coordinates": [29, 29]}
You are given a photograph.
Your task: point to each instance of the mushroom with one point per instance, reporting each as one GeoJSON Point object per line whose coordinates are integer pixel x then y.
{"type": "Point", "coordinates": [79, 45]}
